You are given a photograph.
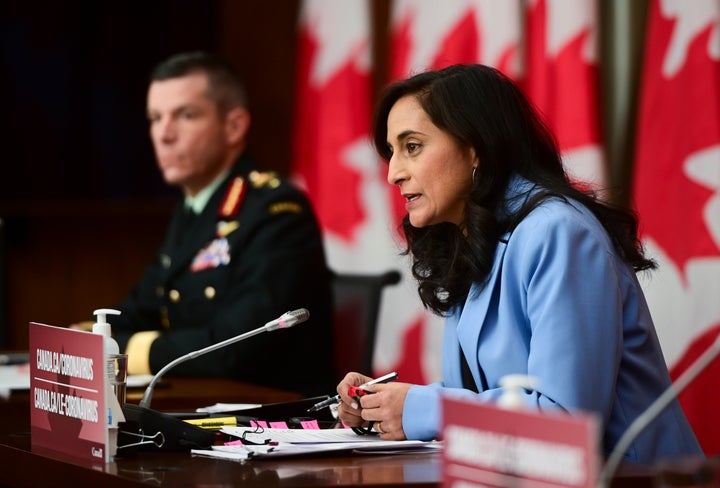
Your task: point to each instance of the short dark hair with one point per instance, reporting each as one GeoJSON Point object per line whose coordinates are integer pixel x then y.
{"type": "Point", "coordinates": [225, 85]}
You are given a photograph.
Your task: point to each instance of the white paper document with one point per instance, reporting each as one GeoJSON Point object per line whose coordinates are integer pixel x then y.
{"type": "Point", "coordinates": [299, 436]}
{"type": "Point", "coordinates": [282, 449]}
{"type": "Point", "coordinates": [14, 377]}
{"type": "Point", "coordinates": [294, 442]}
{"type": "Point", "coordinates": [227, 407]}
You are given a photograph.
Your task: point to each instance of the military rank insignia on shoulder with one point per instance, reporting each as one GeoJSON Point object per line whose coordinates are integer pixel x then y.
{"type": "Point", "coordinates": [282, 207]}
{"type": "Point", "coordinates": [260, 179]}
{"type": "Point", "coordinates": [233, 197]}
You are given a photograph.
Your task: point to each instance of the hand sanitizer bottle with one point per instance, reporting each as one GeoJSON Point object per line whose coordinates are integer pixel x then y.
{"type": "Point", "coordinates": [112, 405]}
{"type": "Point", "coordinates": [511, 398]}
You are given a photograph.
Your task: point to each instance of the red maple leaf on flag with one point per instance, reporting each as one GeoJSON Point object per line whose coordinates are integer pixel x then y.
{"type": "Point", "coordinates": [670, 204]}
{"type": "Point", "coordinates": [563, 84]}
{"type": "Point", "coordinates": [678, 159]}
{"type": "Point", "coordinates": [459, 45]}
{"type": "Point", "coordinates": [409, 365]}
{"type": "Point", "coordinates": [322, 136]}
{"type": "Point", "coordinates": [562, 81]}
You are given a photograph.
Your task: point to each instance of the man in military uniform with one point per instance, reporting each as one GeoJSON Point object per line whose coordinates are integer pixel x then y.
{"type": "Point", "coordinates": [243, 246]}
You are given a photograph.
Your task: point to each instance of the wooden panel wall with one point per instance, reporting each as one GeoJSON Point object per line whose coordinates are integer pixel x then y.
{"type": "Point", "coordinates": [64, 260]}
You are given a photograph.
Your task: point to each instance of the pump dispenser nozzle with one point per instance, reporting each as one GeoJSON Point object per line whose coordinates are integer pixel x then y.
{"type": "Point", "coordinates": [101, 325]}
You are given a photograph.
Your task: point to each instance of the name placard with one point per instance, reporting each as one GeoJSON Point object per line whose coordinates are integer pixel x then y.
{"type": "Point", "coordinates": [489, 446]}
{"type": "Point", "coordinates": [67, 401]}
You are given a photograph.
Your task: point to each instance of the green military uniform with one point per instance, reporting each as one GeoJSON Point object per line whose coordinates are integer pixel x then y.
{"type": "Point", "coordinates": [253, 254]}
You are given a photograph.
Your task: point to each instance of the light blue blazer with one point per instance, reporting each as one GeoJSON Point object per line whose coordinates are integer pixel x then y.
{"type": "Point", "coordinates": [562, 306]}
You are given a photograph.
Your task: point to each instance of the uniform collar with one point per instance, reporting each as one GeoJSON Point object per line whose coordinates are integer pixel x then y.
{"type": "Point", "coordinates": [198, 202]}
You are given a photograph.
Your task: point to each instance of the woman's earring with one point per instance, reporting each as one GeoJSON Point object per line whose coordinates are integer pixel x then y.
{"type": "Point", "coordinates": [473, 173]}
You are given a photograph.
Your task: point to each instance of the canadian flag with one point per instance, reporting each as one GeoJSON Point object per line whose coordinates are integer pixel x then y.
{"type": "Point", "coordinates": [677, 193]}
{"type": "Point", "coordinates": [333, 158]}
{"type": "Point", "coordinates": [427, 34]}
{"type": "Point", "coordinates": [555, 59]}
{"type": "Point", "coordinates": [335, 162]}
{"type": "Point", "coordinates": [562, 78]}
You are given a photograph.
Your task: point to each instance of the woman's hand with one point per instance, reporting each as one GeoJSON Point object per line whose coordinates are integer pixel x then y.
{"type": "Point", "coordinates": [384, 406]}
{"type": "Point", "coordinates": [349, 409]}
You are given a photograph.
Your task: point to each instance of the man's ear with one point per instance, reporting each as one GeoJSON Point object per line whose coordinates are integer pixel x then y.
{"type": "Point", "coordinates": [237, 124]}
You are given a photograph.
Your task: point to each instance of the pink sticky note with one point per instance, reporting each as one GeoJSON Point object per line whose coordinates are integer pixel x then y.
{"type": "Point", "coordinates": [262, 424]}
{"type": "Point", "coordinates": [234, 443]}
{"type": "Point", "coordinates": [278, 425]}
{"type": "Point", "coordinates": [310, 424]}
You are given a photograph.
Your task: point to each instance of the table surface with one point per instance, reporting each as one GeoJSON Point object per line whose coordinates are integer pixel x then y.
{"type": "Point", "coordinates": [31, 467]}
{"type": "Point", "coordinates": [182, 469]}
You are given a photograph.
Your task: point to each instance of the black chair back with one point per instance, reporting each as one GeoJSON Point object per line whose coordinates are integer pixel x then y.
{"type": "Point", "coordinates": [357, 307]}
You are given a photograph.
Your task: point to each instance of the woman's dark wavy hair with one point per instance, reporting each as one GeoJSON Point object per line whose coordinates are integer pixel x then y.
{"type": "Point", "coordinates": [482, 108]}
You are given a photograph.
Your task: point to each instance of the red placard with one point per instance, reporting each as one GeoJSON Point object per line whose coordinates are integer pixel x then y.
{"type": "Point", "coordinates": [489, 446]}
{"type": "Point", "coordinates": [67, 401]}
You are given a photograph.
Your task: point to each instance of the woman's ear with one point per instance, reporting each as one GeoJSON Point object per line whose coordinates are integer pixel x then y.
{"type": "Point", "coordinates": [475, 161]}
{"type": "Point", "coordinates": [237, 124]}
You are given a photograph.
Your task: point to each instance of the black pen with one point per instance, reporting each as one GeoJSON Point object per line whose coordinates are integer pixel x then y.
{"type": "Point", "coordinates": [336, 399]}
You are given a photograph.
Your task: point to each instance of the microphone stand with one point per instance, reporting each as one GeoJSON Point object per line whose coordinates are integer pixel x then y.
{"type": "Point", "coordinates": [286, 320]}
{"type": "Point", "coordinates": [655, 408]}
{"type": "Point", "coordinates": [168, 433]}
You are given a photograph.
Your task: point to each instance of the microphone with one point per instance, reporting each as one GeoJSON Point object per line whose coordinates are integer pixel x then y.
{"type": "Point", "coordinates": [288, 319]}
{"type": "Point", "coordinates": [655, 409]}
{"type": "Point", "coordinates": [285, 321]}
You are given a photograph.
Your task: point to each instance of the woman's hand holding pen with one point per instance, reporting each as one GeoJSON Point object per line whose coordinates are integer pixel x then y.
{"type": "Point", "coordinates": [384, 407]}
{"type": "Point", "coordinates": [349, 409]}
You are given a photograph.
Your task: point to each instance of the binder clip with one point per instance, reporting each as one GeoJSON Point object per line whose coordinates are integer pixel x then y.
{"type": "Point", "coordinates": [170, 433]}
